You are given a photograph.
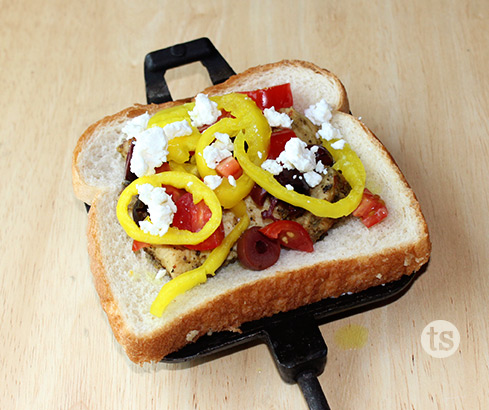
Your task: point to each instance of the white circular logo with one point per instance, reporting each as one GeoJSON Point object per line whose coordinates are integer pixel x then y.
{"type": "Point", "coordinates": [440, 338]}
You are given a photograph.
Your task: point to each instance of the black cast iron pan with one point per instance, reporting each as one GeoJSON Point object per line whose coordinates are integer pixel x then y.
{"type": "Point", "coordinates": [294, 338]}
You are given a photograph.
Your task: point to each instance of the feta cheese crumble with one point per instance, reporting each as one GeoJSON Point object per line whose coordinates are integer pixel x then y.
{"type": "Point", "coordinates": [296, 155]}
{"type": "Point", "coordinates": [340, 144]}
{"type": "Point", "coordinates": [220, 149]}
{"type": "Point", "coordinates": [135, 126]}
{"type": "Point", "coordinates": [272, 166]}
{"type": "Point", "coordinates": [212, 181]}
{"type": "Point", "coordinates": [231, 180]}
{"type": "Point", "coordinates": [150, 151]}
{"type": "Point", "coordinates": [205, 111]}
{"type": "Point", "coordinates": [161, 209]}
{"type": "Point", "coordinates": [319, 112]}
{"type": "Point", "coordinates": [328, 132]}
{"type": "Point", "coordinates": [177, 129]}
{"type": "Point", "coordinates": [277, 119]}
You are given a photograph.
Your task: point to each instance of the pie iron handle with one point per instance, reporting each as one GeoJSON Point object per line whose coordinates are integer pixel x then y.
{"type": "Point", "coordinates": [299, 352]}
{"type": "Point", "coordinates": [158, 62]}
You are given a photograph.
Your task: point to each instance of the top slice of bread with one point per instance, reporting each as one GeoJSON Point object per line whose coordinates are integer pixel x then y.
{"type": "Point", "coordinates": [349, 259]}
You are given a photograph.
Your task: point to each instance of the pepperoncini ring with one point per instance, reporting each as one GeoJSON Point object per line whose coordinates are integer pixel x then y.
{"type": "Point", "coordinates": [248, 118]}
{"type": "Point", "coordinates": [354, 173]}
{"type": "Point", "coordinates": [174, 236]}
{"type": "Point", "coordinates": [192, 278]}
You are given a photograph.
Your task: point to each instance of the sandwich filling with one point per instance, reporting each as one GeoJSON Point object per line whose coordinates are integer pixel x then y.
{"type": "Point", "coordinates": [236, 177]}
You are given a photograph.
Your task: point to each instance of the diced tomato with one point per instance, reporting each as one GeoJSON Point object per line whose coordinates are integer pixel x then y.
{"type": "Point", "coordinates": [162, 168]}
{"type": "Point", "coordinates": [211, 242]}
{"type": "Point", "coordinates": [175, 193]}
{"type": "Point", "coordinates": [290, 234]}
{"type": "Point", "coordinates": [192, 217]}
{"type": "Point", "coordinates": [136, 245]}
{"type": "Point", "coordinates": [278, 139]}
{"type": "Point", "coordinates": [371, 209]}
{"type": "Point", "coordinates": [279, 96]}
{"type": "Point", "coordinates": [229, 167]}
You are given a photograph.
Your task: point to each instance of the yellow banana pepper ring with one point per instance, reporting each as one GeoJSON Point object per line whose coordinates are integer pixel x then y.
{"type": "Point", "coordinates": [192, 278]}
{"type": "Point", "coordinates": [249, 119]}
{"type": "Point", "coordinates": [174, 236]}
{"type": "Point", "coordinates": [346, 161]}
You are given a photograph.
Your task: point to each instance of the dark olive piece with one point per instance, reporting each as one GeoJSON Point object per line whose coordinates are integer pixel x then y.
{"type": "Point", "coordinates": [140, 211]}
{"type": "Point", "coordinates": [256, 251]}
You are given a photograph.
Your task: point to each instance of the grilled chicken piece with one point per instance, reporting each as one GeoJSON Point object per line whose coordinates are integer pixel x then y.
{"type": "Point", "coordinates": [178, 259]}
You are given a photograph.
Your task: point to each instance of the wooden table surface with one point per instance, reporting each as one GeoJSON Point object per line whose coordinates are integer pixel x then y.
{"type": "Point", "coordinates": [417, 74]}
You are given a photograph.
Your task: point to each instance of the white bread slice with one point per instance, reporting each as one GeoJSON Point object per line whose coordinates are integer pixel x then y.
{"type": "Point", "coordinates": [349, 259]}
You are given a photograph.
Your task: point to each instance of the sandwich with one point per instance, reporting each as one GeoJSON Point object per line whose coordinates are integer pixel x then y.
{"type": "Point", "coordinates": [257, 196]}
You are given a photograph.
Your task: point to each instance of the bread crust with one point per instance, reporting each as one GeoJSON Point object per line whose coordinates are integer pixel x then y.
{"type": "Point", "coordinates": [283, 292]}
{"type": "Point", "coordinates": [234, 82]}
{"type": "Point", "coordinates": [266, 296]}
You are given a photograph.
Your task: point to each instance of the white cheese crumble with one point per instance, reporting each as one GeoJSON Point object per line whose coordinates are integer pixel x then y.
{"type": "Point", "coordinates": [161, 209]}
{"type": "Point", "coordinates": [231, 180]}
{"type": "Point", "coordinates": [223, 141]}
{"type": "Point", "coordinates": [205, 111]}
{"type": "Point", "coordinates": [328, 132]}
{"type": "Point", "coordinates": [150, 151]}
{"type": "Point", "coordinates": [320, 168]}
{"type": "Point", "coordinates": [220, 149]}
{"type": "Point", "coordinates": [277, 119]}
{"type": "Point", "coordinates": [272, 166]}
{"type": "Point", "coordinates": [296, 155]}
{"type": "Point", "coordinates": [289, 187]}
{"type": "Point", "coordinates": [313, 178]}
{"type": "Point", "coordinates": [177, 129]}
{"type": "Point", "coordinates": [136, 126]}
{"type": "Point", "coordinates": [212, 181]}
{"type": "Point", "coordinates": [340, 144]}
{"type": "Point", "coordinates": [319, 112]}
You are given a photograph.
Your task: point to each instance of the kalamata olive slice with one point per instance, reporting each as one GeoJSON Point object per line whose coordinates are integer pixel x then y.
{"type": "Point", "coordinates": [256, 251]}
{"type": "Point", "coordinates": [139, 211]}
{"type": "Point", "coordinates": [128, 175]}
{"type": "Point", "coordinates": [295, 179]}
{"type": "Point", "coordinates": [258, 194]}
{"type": "Point", "coordinates": [323, 155]}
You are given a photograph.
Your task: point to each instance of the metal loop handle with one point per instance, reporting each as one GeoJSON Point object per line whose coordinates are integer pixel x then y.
{"type": "Point", "coordinates": [158, 62]}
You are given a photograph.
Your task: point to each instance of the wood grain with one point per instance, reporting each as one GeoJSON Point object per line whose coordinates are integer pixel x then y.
{"type": "Point", "coordinates": [417, 73]}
